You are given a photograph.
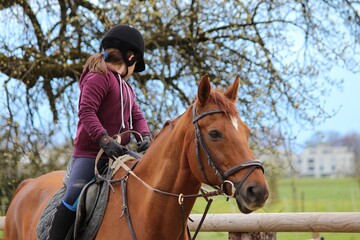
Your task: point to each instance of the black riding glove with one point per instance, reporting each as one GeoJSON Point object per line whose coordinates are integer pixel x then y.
{"type": "Point", "coordinates": [111, 148]}
{"type": "Point", "coordinates": [144, 145]}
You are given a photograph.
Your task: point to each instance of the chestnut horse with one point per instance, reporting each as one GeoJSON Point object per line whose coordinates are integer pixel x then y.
{"type": "Point", "coordinates": [207, 144]}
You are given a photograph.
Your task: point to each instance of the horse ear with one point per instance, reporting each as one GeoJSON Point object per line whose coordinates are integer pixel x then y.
{"type": "Point", "coordinates": [204, 90]}
{"type": "Point", "coordinates": [232, 92]}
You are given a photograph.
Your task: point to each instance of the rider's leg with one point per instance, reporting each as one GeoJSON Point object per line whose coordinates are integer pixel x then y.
{"type": "Point", "coordinates": [62, 222]}
{"type": "Point", "coordinates": [82, 172]}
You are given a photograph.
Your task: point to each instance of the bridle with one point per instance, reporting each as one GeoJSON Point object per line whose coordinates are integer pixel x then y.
{"type": "Point", "coordinates": [222, 175]}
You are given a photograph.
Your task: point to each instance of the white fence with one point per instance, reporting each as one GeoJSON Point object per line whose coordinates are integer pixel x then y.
{"type": "Point", "coordinates": [342, 222]}
{"type": "Point", "coordinates": [280, 222]}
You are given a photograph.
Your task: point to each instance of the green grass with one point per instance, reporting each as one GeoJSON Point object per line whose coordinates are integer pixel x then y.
{"type": "Point", "coordinates": [311, 195]}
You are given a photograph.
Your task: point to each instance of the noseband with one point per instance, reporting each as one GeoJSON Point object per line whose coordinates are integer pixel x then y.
{"type": "Point", "coordinates": [223, 175]}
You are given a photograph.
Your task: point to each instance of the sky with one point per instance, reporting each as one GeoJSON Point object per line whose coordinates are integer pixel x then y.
{"type": "Point", "coordinates": [347, 102]}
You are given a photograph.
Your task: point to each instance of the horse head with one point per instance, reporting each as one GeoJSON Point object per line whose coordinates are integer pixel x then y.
{"type": "Point", "coordinates": [223, 156]}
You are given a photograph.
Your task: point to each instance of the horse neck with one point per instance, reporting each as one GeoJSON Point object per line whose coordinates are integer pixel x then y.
{"type": "Point", "coordinates": [165, 167]}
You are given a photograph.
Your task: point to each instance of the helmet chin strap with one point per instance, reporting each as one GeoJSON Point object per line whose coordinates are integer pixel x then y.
{"type": "Point", "coordinates": [128, 61]}
{"type": "Point", "coordinates": [127, 71]}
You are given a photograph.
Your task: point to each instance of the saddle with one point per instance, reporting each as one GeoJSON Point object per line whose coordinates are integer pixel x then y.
{"type": "Point", "coordinates": [90, 209]}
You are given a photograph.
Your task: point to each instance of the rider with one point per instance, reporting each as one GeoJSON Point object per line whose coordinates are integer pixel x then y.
{"type": "Point", "coordinates": [107, 106]}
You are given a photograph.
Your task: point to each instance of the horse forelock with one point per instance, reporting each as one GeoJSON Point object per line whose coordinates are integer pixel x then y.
{"type": "Point", "coordinates": [223, 103]}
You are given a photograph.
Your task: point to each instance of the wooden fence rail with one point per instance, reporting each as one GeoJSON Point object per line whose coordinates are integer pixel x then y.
{"type": "Point", "coordinates": [280, 222]}
{"type": "Point", "coordinates": [342, 222]}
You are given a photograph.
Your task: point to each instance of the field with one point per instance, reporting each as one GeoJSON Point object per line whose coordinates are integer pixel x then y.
{"type": "Point", "coordinates": [312, 195]}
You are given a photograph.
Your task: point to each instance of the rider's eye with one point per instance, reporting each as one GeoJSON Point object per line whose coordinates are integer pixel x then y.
{"type": "Point", "coordinates": [215, 134]}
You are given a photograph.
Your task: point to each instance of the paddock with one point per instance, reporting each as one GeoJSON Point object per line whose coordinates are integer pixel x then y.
{"type": "Point", "coordinates": [240, 225]}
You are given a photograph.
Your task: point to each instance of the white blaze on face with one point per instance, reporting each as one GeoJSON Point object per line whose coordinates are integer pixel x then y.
{"type": "Point", "coordinates": [235, 123]}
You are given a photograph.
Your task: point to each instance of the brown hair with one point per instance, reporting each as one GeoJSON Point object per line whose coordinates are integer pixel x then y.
{"type": "Point", "coordinates": [97, 62]}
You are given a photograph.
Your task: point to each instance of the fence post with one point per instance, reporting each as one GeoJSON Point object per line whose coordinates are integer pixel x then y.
{"type": "Point", "coordinates": [252, 236]}
{"type": "Point", "coordinates": [2, 223]}
{"type": "Point", "coordinates": [316, 236]}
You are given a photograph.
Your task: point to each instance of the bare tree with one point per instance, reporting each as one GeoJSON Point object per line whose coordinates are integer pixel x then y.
{"type": "Point", "coordinates": [282, 50]}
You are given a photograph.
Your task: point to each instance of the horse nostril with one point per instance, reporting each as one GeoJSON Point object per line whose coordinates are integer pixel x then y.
{"type": "Point", "coordinates": [257, 193]}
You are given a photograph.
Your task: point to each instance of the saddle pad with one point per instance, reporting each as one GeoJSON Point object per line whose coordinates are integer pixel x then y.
{"type": "Point", "coordinates": [43, 227]}
{"type": "Point", "coordinates": [88, 225]}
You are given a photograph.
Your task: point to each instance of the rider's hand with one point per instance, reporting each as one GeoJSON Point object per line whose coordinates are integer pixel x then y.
{"type": "Point", "coordinates": [145, 144]}
{"type": "Point", "coordinates": [111, 148]}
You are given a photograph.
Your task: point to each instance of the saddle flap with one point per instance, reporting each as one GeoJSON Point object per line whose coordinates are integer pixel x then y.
{"type": "Point", "coordinates": [87, 203]}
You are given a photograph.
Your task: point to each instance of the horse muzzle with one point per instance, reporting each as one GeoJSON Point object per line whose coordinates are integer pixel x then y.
{"type": "Point", "coordinates": [248, 197]}
{"type": "Point", "coordinates": [251, 197]}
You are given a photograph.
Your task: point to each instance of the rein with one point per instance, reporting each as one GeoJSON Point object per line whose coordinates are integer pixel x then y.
{"type": "Point", "coordinates": [180, 196]}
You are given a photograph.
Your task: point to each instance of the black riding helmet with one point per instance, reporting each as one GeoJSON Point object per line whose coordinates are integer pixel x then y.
{"type": "Point", "coordinates": [124, 38]}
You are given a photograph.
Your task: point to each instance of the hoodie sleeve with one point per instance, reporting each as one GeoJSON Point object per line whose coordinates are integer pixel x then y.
{"type": "Point", "coordinates": [93, 87]}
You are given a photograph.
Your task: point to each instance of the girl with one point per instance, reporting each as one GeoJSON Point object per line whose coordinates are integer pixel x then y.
{"type": "Point", "coordinates": [106, 107]}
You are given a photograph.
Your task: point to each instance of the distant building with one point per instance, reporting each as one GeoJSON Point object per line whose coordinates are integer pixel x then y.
{"type": "Point", "coordinates": [325, 161]}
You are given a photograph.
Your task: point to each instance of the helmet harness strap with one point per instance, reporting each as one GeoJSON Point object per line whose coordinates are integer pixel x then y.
{"type": "Point", "coordinates": [124, 54]}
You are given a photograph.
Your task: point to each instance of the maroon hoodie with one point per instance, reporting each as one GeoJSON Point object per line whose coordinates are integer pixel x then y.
{"type": "Point", "coordinates": [103, 107]}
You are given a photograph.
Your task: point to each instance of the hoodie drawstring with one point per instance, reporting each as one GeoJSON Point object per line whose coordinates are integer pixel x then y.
{"type": "Point", "coordinates": [121, 82]}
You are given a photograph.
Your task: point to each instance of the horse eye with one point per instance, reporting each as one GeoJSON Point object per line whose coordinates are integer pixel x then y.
{"type": "Point", "coordinates": [215, 134]}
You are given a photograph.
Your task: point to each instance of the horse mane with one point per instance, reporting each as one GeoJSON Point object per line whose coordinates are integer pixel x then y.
{"type": "Point", "coordinates": [168, 123]}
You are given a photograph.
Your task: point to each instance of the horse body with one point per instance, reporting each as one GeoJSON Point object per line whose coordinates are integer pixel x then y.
{"type": "Point", "coordinates": [170, 165]}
